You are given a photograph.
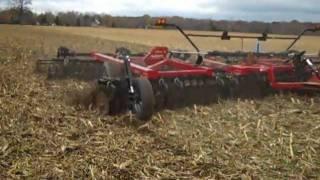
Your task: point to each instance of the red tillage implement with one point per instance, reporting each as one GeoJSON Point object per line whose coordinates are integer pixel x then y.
{"type": "Point", "coordinates": [248, 73]}
{"type": "Point", "coordinates": [145, 83]}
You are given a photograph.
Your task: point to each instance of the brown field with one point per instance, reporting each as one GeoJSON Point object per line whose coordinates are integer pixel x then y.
{"type": "Point", "coordinates": [42, 136]}
{"type": "Point", "coordinates": [172, 38]}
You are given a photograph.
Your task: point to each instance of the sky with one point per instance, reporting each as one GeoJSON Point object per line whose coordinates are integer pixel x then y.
{"type": "Point", "coordinates": [260, 10]}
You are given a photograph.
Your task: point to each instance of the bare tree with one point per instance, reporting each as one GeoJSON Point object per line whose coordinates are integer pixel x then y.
{"type": "Point", "coordinates": [21, 6]}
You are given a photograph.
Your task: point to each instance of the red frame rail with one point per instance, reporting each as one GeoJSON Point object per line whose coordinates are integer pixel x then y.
{"type": "Point", "coordinates": [156, 65]}
{"type": "Point", "coordinates": [268, 67]}
{"type": "Point", "coordinates": [176, 68]}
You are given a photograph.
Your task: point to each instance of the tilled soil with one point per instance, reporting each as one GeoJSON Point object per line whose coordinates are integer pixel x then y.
{"type": "Point", "coordinates": [43, 135]}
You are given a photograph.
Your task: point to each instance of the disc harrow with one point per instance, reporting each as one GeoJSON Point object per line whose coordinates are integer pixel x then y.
{"type": "Point", "coordinates": [147, 82]}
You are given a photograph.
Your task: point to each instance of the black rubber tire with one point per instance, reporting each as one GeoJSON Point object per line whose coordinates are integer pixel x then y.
{"type": "Point", "coordinates": [144, 105]}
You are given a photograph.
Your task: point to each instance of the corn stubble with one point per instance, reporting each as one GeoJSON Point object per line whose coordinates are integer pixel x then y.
{"type": "Point", "coordinates": [43, 136]}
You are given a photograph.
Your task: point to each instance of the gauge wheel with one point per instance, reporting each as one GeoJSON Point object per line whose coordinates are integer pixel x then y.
{"type": "Point", "coordinates": [144, 99]}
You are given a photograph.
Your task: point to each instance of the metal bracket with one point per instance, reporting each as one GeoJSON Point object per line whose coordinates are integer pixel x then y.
{"type": "Point", "coordinates": [129, 80]}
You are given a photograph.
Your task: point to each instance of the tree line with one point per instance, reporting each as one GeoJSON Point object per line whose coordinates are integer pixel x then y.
{"type": "Point", "coordinates": [20, 13]}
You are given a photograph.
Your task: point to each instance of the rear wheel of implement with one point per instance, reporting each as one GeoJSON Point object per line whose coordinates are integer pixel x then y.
{"type": "Point", "coordinates": [145, 101]}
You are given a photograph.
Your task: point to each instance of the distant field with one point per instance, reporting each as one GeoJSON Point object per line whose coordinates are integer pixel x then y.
{"type": "Point", "coordinates": [170, 38]}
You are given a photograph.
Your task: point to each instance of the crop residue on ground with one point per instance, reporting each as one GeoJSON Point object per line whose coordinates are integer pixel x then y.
{"type": "Point", "coordinates": [44, 137]}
